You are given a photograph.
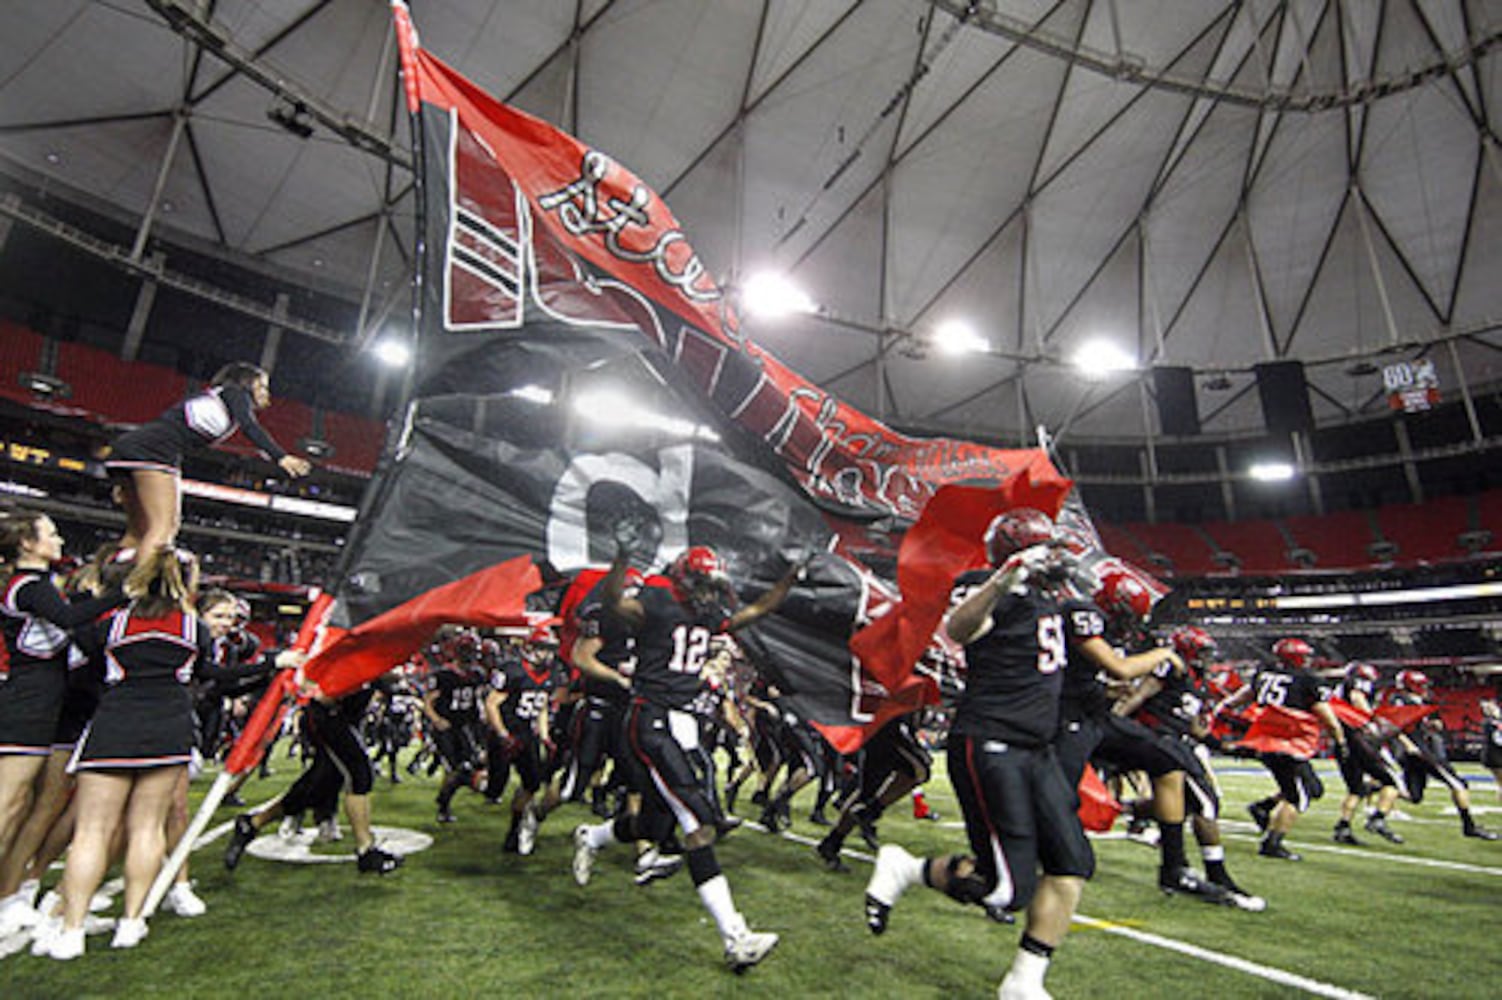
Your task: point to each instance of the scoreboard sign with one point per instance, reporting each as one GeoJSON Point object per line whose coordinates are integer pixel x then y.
{"type": "Point", "coordinates": [1411, 386]}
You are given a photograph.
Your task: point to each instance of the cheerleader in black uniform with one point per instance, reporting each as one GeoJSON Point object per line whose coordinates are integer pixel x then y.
{"type": "Point", "coordinates": [136, 750]}
{"type": "Point", "coordinates": [146, 463]}
{"type": "Point", "coordinates": [35, 620]}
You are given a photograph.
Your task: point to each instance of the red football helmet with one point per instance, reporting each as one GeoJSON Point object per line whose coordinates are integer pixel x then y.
{"type": "Point", "coordinates": [1362, 671]}
{"type": "Point", "coordinates": [1193, 644]}
{"type": "Point", "coordinates": [1414, 682]}
{"type": "Point", "coordinates": [1015, 530]}
{"type": "Point", "coordinates": [1295, 653]}
{"type": "Point", "coordinates": [1124, 599]}
{"type": "Point", "coordinates": [698, 576]}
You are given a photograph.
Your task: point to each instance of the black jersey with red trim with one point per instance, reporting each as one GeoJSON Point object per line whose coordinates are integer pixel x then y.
{"type": "Point", "coordinates": [1351, 684]}
{"type": "Point", "coordinates": [35, 620]}
{"type": "Point", "coordinates": [1084, 692]}
{"type": "Point", "coordinates": [617, 644]}
{"type": "Point", "coordinates": [672, 646]}
{"type": "Point", "coordinates": [1015, 671]}
{"type": "Point", "coordinates": [1287, 688]}
{"type": "Point", "coordinates": [213, 416]}
{"type": "Point", "coordinates": [146, 650]}
{"type": "Point", "coordinates": [527, 689]}
{"type": "Point", "coordinates": [459, 694]}
{"type": "Point", "coordinates": [1178, 704]}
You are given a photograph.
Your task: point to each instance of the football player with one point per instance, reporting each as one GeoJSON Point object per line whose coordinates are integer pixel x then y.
{"type": "Point", "coordinates": [1424, 753]}
{"type": "Point", "coordinates": [1172, 704]}
{"type": "Point", "coordinates": [1368, 757]}
{"type": "Point", "coordinates": [516, 711]}
{"type": "Point", "coordinates": [891, 764]}
{"type": "Point", "coordinates": [1289, 683]}
{"type": "Point", "coordinates": [1491, 742]}
{"type": "Point", "coordinates": [1019, 809]}
{"type": "Point", "coordinates": [451, 707]}
{"type": "Point", "coordinates": [673, 626]}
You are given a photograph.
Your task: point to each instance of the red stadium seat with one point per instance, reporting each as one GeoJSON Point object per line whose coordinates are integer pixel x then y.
{"type": "Point", "coordinates": [1426, 532]}
{"type": "Point", "coordinates": [1184, 547]}
{"type": "Point", "coordinates": [127, 392]}
{"type": "Point", "coordinates": [1259, 545]}
{"type": "Point", "coordinates": [357, 441]}
{"type": "Point", "coordinates": [1121, 544]}
{"type": "Point", "coordinates": [20, 351]}
{"type": "Point", "coordinates": [1338, 541]}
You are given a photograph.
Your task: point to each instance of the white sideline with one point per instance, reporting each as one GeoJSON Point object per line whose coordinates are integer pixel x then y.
{"type": "Point", "coordinates": [1383, 856]}
{"type": "Point", "coordinates": [1267, 972]}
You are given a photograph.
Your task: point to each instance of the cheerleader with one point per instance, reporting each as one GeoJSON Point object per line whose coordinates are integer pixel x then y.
{"type": "Point", "coordinates": [133, 755]}
{"type": "Point", "coordinates": [146, 463]}
{"type": "Point", "coordinates": [35, 620]}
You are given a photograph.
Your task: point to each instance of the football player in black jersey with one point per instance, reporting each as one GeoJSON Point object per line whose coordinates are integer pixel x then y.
{"type": "Point", "coordinates": [1491, 741]}
{"type": "Point", "coordinates": [1019, 809]}
{"type": "Point", "coordinates": [673, 626]}
{"type": "Point", "coordinates": [889, 765]}
{"type": "Point", "coordinates": [451, 707]}
{"type": "Point", "coordinates": [1424, 753]}
{"type": "Point", "coordinates": [1368, 757]}
{"type": "Point", "coordinates": [516, 710]}
{"type": "Point", "coordinates": [1172, 704]}
{"type": "Point", "coordinates": [1090, 729]}
{"type": "Point", "coordinates": [1289, 683]}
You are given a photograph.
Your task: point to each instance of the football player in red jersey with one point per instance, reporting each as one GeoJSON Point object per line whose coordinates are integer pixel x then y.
{"type": "Point", "coordinates": [674, 626]}
{"type": "Point", "coordinates": [1368, 758]}
{"type": "Point", "coordinates": [1424, 753]}
{"type": "Point", "coordinates": [1018, 806]}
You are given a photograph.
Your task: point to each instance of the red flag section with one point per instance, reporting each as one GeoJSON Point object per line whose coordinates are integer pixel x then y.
{"type": "Point", "coordinates": [946, 541]}
{"type": "Point", "coordinates": [1098, 807]}
{"type": "Point", "coordinates": [1283, 730]}
{"type": "Point", "coordinates": [1349, 714]}
{"type": "Point", "coordinates": [491, 597]}
{"type": "Point", "coordinates": [1405, 717]}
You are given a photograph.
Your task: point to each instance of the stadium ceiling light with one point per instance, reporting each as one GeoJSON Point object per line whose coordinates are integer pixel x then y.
{"type": "Point", "coordinates": [1100, 358]}
{"type": "Point", "coordinates": [534, 394]}
{"type": "Point", "coordinates": [1271, 472]}
{"type": "Point", "coordinates": [772, 295]}
{"type": "Point", "coordinates": [955, 336]}
{"type": "Point", "coordinates": [607, 407]}
{"type": "Point", "coordinates": [392, 352]}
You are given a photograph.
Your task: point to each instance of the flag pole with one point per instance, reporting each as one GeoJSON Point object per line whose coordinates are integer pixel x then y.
{"type": "Point", "coordinates": [398, 431]}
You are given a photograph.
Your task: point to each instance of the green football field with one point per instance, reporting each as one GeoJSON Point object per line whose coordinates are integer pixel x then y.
{"type": "Point", "coordinates": [462, 919]}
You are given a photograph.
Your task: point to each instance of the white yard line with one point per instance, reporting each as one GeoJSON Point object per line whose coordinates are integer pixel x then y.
{"type": "Point", "coordinates": [1383, 856]}
{"type": "Point", "coordinates": [1267, 972]}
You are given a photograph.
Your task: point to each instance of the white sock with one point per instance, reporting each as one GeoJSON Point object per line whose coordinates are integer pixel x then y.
{"type": "Point", "coordinates": [1028, 967]}
{"type": "Point", "coordinates": [1213, 852]}
{"type": "Point", "coordinates": [715, 895]}
{"type": "Point", "coordinates": [601, 836]}
{"type": "Point", "coordinates": [907, 867]}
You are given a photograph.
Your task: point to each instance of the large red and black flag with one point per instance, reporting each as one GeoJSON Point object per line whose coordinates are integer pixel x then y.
{"type": "Point", "coordinates": [579, 368]}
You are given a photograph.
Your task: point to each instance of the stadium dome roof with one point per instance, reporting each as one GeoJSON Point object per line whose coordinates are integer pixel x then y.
{"type": "Point", "coordinates": [1206, 183]}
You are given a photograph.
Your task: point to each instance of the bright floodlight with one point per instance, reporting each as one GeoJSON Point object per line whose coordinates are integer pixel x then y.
{"type": "Point", "coordinates": [611, 408]}
{"type": "Point", "coordinates": [534, 394]}
{"type": "Point", "coordinates": [955, 336]}
{"type": "Point", "coordinates": [1099, 358]}
{"type": "Point", "coordinates": [1271, 472]}
{"type": "Point", "coordinates": [393, 352]}
{"type": "Point", "coordinates": [772, 295]}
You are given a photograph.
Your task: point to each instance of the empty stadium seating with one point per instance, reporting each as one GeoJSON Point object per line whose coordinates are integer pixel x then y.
{"type": "Point", "coordinates": [1425, 532]}
{"type": "Point", "coordinates": [1338, 541]}
{"type": "Point", "coordinates": [1186, 550]}
{"type": "Point", "coordinates": [1258, 545]}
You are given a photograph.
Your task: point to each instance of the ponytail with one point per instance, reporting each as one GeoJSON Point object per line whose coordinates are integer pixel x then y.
{"type": "Point", "coordinates": [163, 581]}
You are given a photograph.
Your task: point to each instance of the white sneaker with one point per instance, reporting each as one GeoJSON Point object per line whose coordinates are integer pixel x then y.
{"type": "Point", "coordinates": [129, 932]}
{"type": "Point", "coordinates": [886, 886]}
{"type": "Point", "coordinates": [747, 948]}
{"type": "Point", "coordinates": [16, 914]}
{"type": "Point", "coordinates": [94, 924]}
{"type": "Point", "coordinates": [1246, 901]}
{"type": "Point", "coordinates": [290, 828]}
{"type": "Point", "coordinates": [63, 946]}
{"type": "Point", "coordinates": [653, 865]}
{"type": "Point", "coordinates": [183, 901]}
{"type": "Point", "coordinates": [329, 832]}
{"type": "Point", "coordinates": [43, 933]}
{"type": "Point", "coordinates": [584, 855]}
{"type": "Point", "coordinates": [1013, 987]}
{"type": "Point", "coordinates": [526, 830]}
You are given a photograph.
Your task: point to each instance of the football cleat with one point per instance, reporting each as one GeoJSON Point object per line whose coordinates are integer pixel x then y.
{"type": "Point", "coordinates": [1270, 850]}
{"type": "Point", "coordinates": [884, 888]}
{"type": "Point", "coordinates": [748, 948]}
{"type": "Point", "coordinates": [328, 831]}
{"type": "Point", "coordinates": [653, 865]}
{"type": "Point", "coordinates": [817, 818]}
{"type": "Point", "coordinates": [1343, 835]}
{"type": "Point", "coordinates": [1186, 882]}
{"type": "Point", "coordinates": [584, 855]}
{"type": "Point", "coordinates": [1261, 814]}
{"type": "Point", "coordinates": [829, 853]}
{"type": "Point", "coordinates": [244, 832]}
{"type": "Point", "coordinates": [726, 825]}
{"type": "Point", "coordinates": [998, 913]}
{"type": "Point", "coordinates": [183, 901]}
{"type": "Point", "coordinates": [129, 932]}
{"type": "Point", "coordinates": [1378, 825]}
{"type": "Point", "coordinates": [526, 831]}
{"type": "Point", "coordinates": [446, 816]}
{"type": "Point", "coordinates": [62, 945]}
{"type": "Point", "coordinates": [1013, 987]}
{"type": "Point", "coordinates": [1481, 833]}
{"type": "Point", "coordinates": [867, 827]}
{"type": "Point", "coordinates": [374, 861]}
